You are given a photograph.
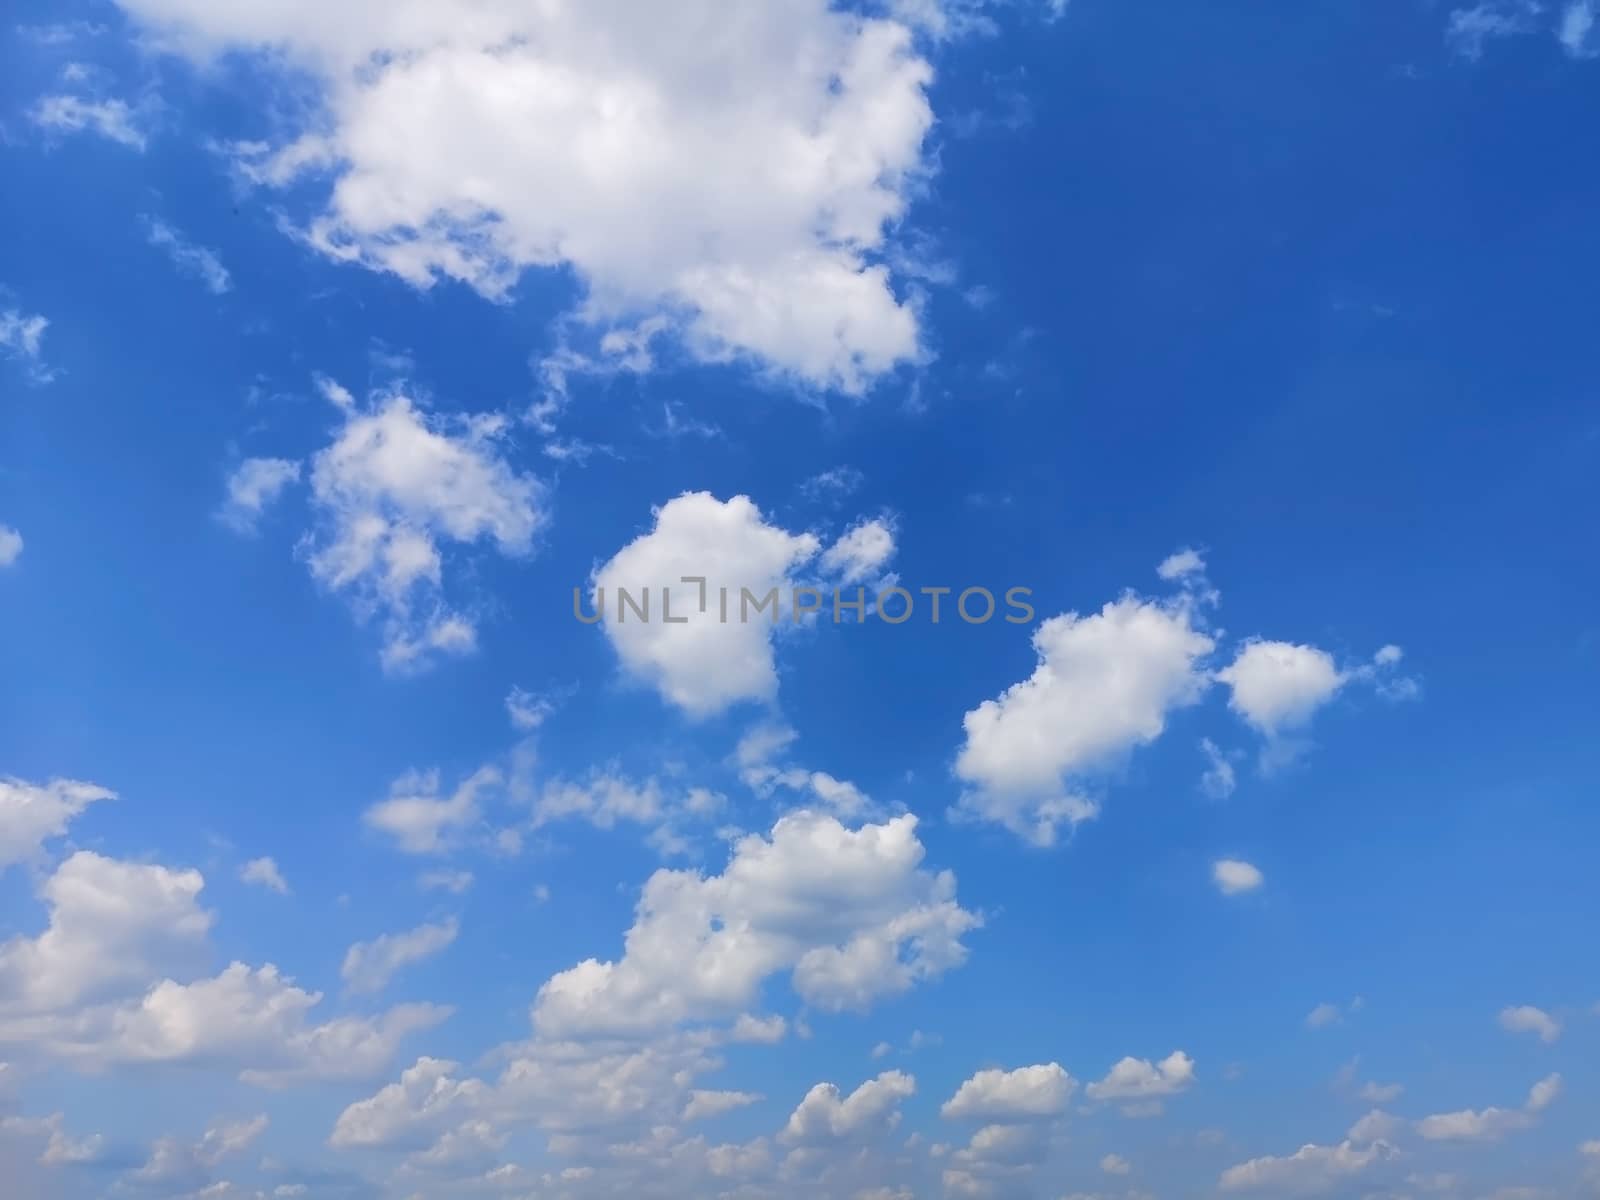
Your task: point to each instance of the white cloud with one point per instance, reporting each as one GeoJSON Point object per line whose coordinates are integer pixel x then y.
{"type": "Point", "coordinates": [758, 228]}
{"type": "Point", "coordinates": [98, 987]}
{"type": "Point", "coordinates": [703, 664]}
{"type": "Point", "coordinates": [32, 813]}
{"type": "Point", "coordinates": [762, 769]}
{"type": "Point", "coordinates": [1219, 779]}
{"type": "Point", "coordinates": [175, 1164]}
{"type": "Point", "coordinates": [703, 1104]}
{"type": "Point", "coordinates": [190, 259]}
{"type": "Point", "coordinates": [1527, 1019]}
{"type": "Point", "coordinates": [1278, 686]}
{"type": "Point", "coordinates": [1140, 1079]}
{"type": "Point", "coordinates": [392, 492]}
{"type": "Point", "coordinates": [10, 545]}
{"type": "Point", "coordinates": [368, 966]}
{"type": "Point", "coordinates": [1470, 29]}
{"type": "Point", "coordinates": [1233, 877]}
{"type": "Point", "coordinates": [112, 119]}
{"type": "Point", "coordinates": [1324, 1015]}
{"type": "Point", "coordinates": [861, 552]}
{"type": "Point", "coordinates": [112, 925]}
{"type": "Point", "coordinates": [255, 1020]}
{"type": "Point", "coordinates": [1027, 1092]}
{"type": "Point", "coordinates": [1104, 685]}
{"type": "Point", "coordinates": [873, 1108]}
{"type": "Point", "coordinates": [526, 710]}
{"type": "Point", "coordinates": [1577, 29]}
{"type": "Point", "coordinates": [1115, 1164]}
{"type": "Point", "coordinates": [454, 882]}
{"type": "Point", "coordinates": [60, 1148]}
{"type": "Point", "coordinates": [1308, 1171]}
{"type": "Point", "coordinates": [1376, 1126]}
{"type": "Point", "coordinates": [1491, 1124]}
{"type": "Point", "coordinates": [1181, 565]}
{"type": "Point", "coordinates": [254, 484]}
{"type": "Point", "coordinates": [847, 913]}
{"type": "Point", "coordinates": [1381, 1093]}
{"type": "Point", "coordinates": [263, 872]}
{"type": "Point", "coordinates": [420, 819]}
{"type": "Point", "coordinates": [22, 338]}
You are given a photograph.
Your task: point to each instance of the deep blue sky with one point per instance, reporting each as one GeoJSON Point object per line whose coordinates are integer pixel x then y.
{"type": "Point", "coordinates": [1307, 288]}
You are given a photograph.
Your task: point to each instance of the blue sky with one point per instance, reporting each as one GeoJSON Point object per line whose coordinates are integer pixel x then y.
{"type": "Point", "coordinates": [341, 345]}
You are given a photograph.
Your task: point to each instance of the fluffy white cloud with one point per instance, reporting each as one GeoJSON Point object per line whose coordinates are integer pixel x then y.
{"type": "Point", "coordinates": [1278, 686]}
{"type": "Point", "coordinates": [95, 989]}
{"type": "Point", "coordinates": [254, 484]}
{"type": "Point", "coordinates": [1308, 1171]}
{"type": "Point", "coordinates": [190, 259]}
{"type": "Point", "coordinates": [848, 913]}
{"type": "Point", "coordinates": [761, 767]}
{"type": "Point", "coordinates": [10, 545]}
{"type": "Point", "coordinates": [727, 170]}
{"type": "Point", "coordinates": [1491, 1124]}
{"type": "Point", "coordinates": [263, 872]}
{"type": "Point", "coordinates": [393, 490]}
{"type": "Point", "coordinates": [368, 966]}
{"type": "Point", "coordinates": [1115, 1164]}
{"type": "Point", "coordinates": [861, 553]}
{"type": "Point", "coordinates": [1140, 1079]}
{"type": "Point", "coordinates": [112, 119]}
{"type": "Point", "coordinates": [1469, 29]}
{"type": "Point", "coordinates": [1525, 1018]}
{"type": "Point", "coordinates": [257, 1022]}
{"type": "Point", "coordinates": [703, 1104]}
{"type": "Point", "coordinates": [60, 1148]}
{"type": "Point", "coordinates": [996, 1095]}
{"type": "Point", "coordinates": [423, 821]}
{"type": "Point", "coordinates": [33, 813]}
{"type": "Point", "coordinates": [176, 1164]}
{"type": "Point", "coordinates": [1233, 876]}
{"type": "Point", "coordinates": [698, 661]}
{"type": "Point", "coordinates": [1376, 1126]}
{"type": "Point", "coordinates": [112, 925]}
{"type": "Point", "coordinates": [1104, 685]}
{"type": "Point", "coordinates": [873, 1108]}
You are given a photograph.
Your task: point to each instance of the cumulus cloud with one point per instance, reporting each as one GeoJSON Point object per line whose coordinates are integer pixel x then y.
{"type": "Point", "coordinates": [1233, 876]}
{"type": "Point", "coordinates": [997, 1095]}
{"type": "Point", "coordinates": [254, 484]}
{"type": "Point", "coordinates": [263, 872]}
{"type": "Point", "coordinates": [1310, 1170]}
{"type": "Point", "coordinates": [33, 813]}
{"type": "Point", "coordinates": [421, 819]}
{"type": "Point", "coordinates": [727, 171]}
{"type": "Point", "coordinates": [697, 661]}
{"type": "Point", "coordinates": [1278, 686]}
{"type": "Point", "coordinates": [825, 1114]}
{"type": "Point", "coordinates": [848, 914]}
{"type": "Point", "coordinates": [395, 490]}
{"type": "Point", "coordinates": [10, 546]}
{"type": "Point", "coordinates": [1491, 1124]}
{"type": "Point", "coordinates": [1139, 1079]}
{"type": "Point", "coordinates": [861, 552]}
{"type": "Point", "coordinates": [368, 966]}
{"type": "Point", "coordinates": [1104, 684]}
{"type": "Point", "coordinates": [1525, 1018]}
{"type": "Point", "coordinates": [98, 988]}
